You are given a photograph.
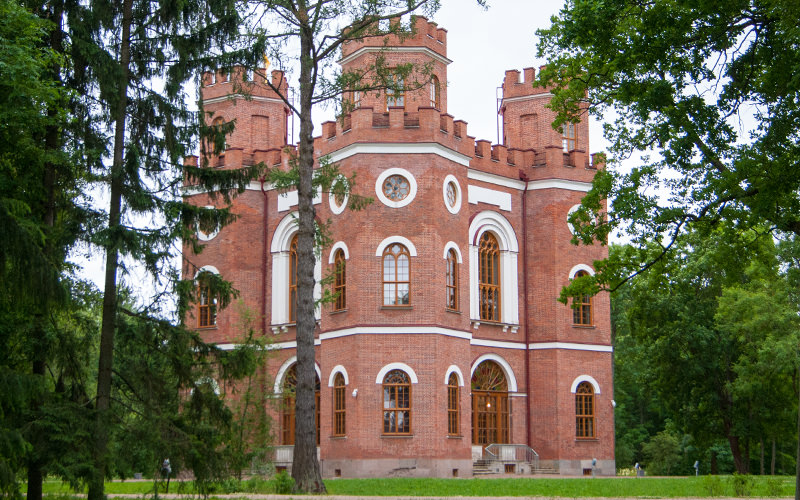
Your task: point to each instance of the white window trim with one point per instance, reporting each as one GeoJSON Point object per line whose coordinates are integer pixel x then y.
{"type": "Point", "coordinates": [580, 267]}
{"type": "Point", "coordinates": [451, 245]}
{"type": "Point", "coordinates": [278, 387]}
{"type": "Point", "coordinates": [338, 369]}
{"type": "Point", "coordinates": [412, 187]}
{"type": "Point", "coordinates": [457, 206]}
{"type": "Point", "coordinates": [281, 240]}
{"type": "Point", "coordinates": [509, 373]}
{"type": "Point", "coordinates": [338, 209]}
{"type": "Point", "coordinates": [396, 366]}
{"type": "Point", "coordinates": [585, 378]}
{"type": "Point", "coordinates": [509, 286]}
{"type": "Point", "coordinates": [208, 269]}
{"type": "Point", "coordinates": [412, 250]}
{"type": "Point", "coordinates": [338, 245]}
{"type": "Point", "coordinates": [207, 236]}
{"type": "Point", "coordinates": [457, 371]}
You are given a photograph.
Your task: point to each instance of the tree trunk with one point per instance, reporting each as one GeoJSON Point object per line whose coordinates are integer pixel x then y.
{"type": "Point", "coordinates": [772, 464]}
{"type": "Point", "coordinates": [108, 327]}
{"type": "Point", "coordinates": [797, 462]}
{"type": "Point", "coordinates": [761, 453]}
{"type": "Point", "coordinates": [305, 466]}
{"type": "Point", "coordinates": [736, 451]}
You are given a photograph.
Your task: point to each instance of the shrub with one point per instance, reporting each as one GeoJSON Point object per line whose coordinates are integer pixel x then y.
{"type": "Point", "coordinates": [284, 484]}
{"type": "Point", "coordinates": [713, 485]}
{"type": "Point", "coordinates": [742, 485]}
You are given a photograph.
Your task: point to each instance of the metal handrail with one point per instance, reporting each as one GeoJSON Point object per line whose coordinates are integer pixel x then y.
{"type": "Point", "coordinates": [512, 452]}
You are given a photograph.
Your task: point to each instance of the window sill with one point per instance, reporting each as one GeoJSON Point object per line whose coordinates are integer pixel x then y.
{"type": "Point", "coordinates": [453, 436]}
{"type": "Point", "coordinates": [584, 327]}
{"type": "Point", "coordinates": [453, 311]}
{"type": "Point", "coordinates": [338, 311]}
{"type": "Point", "coordinates": [209, 327]}
{"type": "Point", "coordinates": [396, 308]}
{"type": "Point", "coordinates": [586, 440]}
{"type": "Point", "coordinates": [337, 438]}
{"type": "Point", "coordinates": [476, 323]}
{"type": "Point", "coordinates": [397, 436]}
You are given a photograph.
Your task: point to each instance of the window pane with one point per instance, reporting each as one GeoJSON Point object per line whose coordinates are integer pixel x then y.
{"type": "Point", "coordinates": [402, 268]}
{"type": "Point", "coordinates": [388, 268]}
{"type": "Point", "coordinates": [388, 295]}
{"type": "Point", "coordinates": [402, 294]}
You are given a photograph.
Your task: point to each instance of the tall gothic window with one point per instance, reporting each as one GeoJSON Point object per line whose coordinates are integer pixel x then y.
{"type": "Point", "coordinates": [435, 93]}
{"type": "Point", "coordinates": [293, 280]}
{"type": "Point", "coordinates": [451, 280]}
{"type": "Point", "coordinates": [395, 96]}
{"type": "Point", "coordinates": [288, 408]}
{"type": "Point", "coordinates": [396, 403]}
{"type": "Point", "coordinates": [569, 139]}
{"type": "Point", "coordinates": [582, 310]}
{"type": "Point", "coordinates": [396, 275]}
{"type": "Point", "coordinates": [489, 277]}
{"type": "Point", "coordinates": [584, 411]}
{"type": "Point", "coordinates": [453, 417]}
{"type": "Point", "coordinates": [206, 308]}
{"type": "Point", "coordinates": [339, 408]}
{"type": "Point", "coordinates": [340, 281]}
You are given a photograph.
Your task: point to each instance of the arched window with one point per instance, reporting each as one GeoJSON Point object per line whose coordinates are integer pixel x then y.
{"type": "Point", "coordinates": [490, 409]}
{"type": "Point", "coordinates": [339, 406]}
{"type": "Point", "coordinates": [289, 388]}
{"type": "Point", "coordinates": [396, 95]}
{"type": "Point", "coordinates": [396, 403]}
{"type": "Point", "coordinates": [396, 275]}
{"type": "Point", "coordinates": [340, 280]}
{"type": "Point", "coordinates": [206, 308]}
{"type": "Point", "coordinates": [451, 280]}
{"type": "Point", "coordinates": [489, 277]}
{"type": "Point", "coordinates": [582, 307]}
{"type": "Point", "coordinates": [453, 418]}
{"type": "Point", "coordinates": [293, 280]}
{"type": "Point", "coordinates": [435, 92]}
{"type": "Point", "coordinates": [584, 411]}
{"type": "Point", "coordinates": [569, 139]}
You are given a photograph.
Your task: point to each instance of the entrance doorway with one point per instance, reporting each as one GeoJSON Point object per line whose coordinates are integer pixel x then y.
{"type": "Point", "coordinates": [490, 408]}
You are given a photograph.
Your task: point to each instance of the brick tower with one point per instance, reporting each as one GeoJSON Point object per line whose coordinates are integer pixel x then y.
{"type": "Point", "coordinates": [446, 348]}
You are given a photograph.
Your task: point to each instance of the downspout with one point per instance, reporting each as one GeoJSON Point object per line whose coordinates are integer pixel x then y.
{"type": "Point", "coordinates": [264, 261]}
{"type": "Point", "coordinates": [524, 178]}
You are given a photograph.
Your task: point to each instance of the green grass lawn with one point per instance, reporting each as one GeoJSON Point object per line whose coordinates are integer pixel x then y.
{"type": "Point", "coordinates": [706, 486]}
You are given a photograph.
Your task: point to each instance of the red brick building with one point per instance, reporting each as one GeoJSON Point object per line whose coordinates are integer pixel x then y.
{"type": "Point", "coordinates": [446, 344]}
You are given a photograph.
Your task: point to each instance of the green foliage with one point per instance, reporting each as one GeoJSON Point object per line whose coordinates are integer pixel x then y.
{"type": "Point", "coordinates": [742, 485]}
{"type": "Point", "coordinates": [713, 485]}
{"type": "Point", "coordinates": [283, 483]}
{"type": "Point", "coordinates": [662, 452]}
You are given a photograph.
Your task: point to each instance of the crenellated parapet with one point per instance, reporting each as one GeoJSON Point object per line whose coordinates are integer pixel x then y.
{"type": "Point", "coordinates": [242, 81]}
{"type": "Point", "coordinates": [429, 125]}
{"type": "Point", "coordinates": [424, 34]}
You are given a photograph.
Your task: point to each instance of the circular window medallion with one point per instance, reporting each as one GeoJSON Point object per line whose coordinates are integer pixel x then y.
{"type": "Point", "coordinates": [452, 194]}
{"type": "Point", "coordinates": [396, 187]}
{"type": "Point", "coordinates": [202, 235]}
{"type": "Point", "coordinates": [338, 201]}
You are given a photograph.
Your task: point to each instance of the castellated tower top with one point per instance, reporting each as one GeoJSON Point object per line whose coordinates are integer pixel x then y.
{"type": "Point", "coordinates": [424, 47]}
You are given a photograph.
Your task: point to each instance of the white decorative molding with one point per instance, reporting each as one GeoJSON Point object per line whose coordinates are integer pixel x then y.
{"type": "Point", "coordinates": [500, 199]}
{"type": "Point", "coordinates": [208, 269]}
{"type": "Point", "coordinates": [510, 378]}
{"type": "Point", "coordinates": [412, 250]}
{"type": "Point", "coordinates": [399, 148]}
{"type": "Point", "coordinates": [338, 369]}
{"type": "Point", "coordinates": [571, 211]}
{"type": "Point", "coordinates": [288, 199]}
{"type": "Point", "coordinates": [497, 180]}
{"type": "Point", "coordinates": [383, 50]}
{"type": "Point", "coordinates": [499, 344]}
{"type": "Point", "coordinates": [457, 371]}
{"type": "Point", "coordinates": [571, 346]}
{"type": "Point", "coordinates": [281, 240]}
{"type": "Point", "coordinates": [396, 366]}
{"type": "Point", "coordinates": [338, 245]}
{"type": "Point", "coordinates": [395, 330]}
{"type": "Point", "coordinates": [509, 285]}
{"type": "Point", "coordinates": [233, 97]}
{"type": "Point", "coordinates": [528, 97]}
{"type": "Point", "coordinates": [412, 187]}
{"type": "Point", "coordinates": [580, 267]}
{"type": "Point", "coordinates": [278, 387]}
{"type": "Point", "coordinates": [457, 205]}
{"type": "Point", "coordinates": [451, 245]}
{"type": "Point", "coordinates": [583, 187]}
{"type": "Point", "coordinates": [585, 378]}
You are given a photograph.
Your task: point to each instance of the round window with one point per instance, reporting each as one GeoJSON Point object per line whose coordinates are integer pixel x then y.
{"type": "Point", "coordinates": [452, 195]}
{"type": "Point", "coordinates": [396, 187]}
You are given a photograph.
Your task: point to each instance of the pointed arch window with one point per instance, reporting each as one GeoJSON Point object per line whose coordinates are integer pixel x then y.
{"type": "Point", "coordinates": [396, 275]}
{"type": "Point", "coordinates": [453, 414]}
{"type": "Point", "coordinates": [288, 405]}
{"type": "Point", "coordinates": [293, 280]}
{"type": "Point", "coordinates": [339, 406]}
{"type": "Point", "coordinates": [451, 280]}
{"type": "Point", "coordinates": [584, 411]}
{"type": "Point", "coordinates": [489, 277]}
{"type": "Point", "coordinates": [435, 92]}
{"type": "Point", "coordinates": [582, 307]}
{"type": "Point", "coordinates": [340, 281]}
{"type": "Point", "coordinates": [396, 403]}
